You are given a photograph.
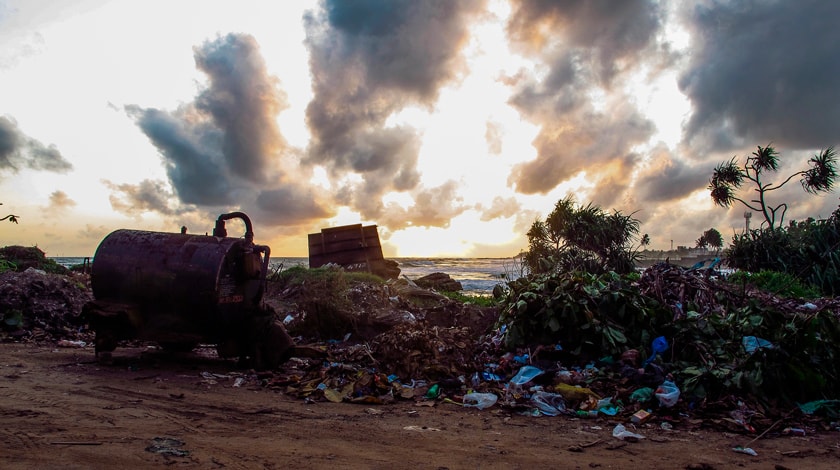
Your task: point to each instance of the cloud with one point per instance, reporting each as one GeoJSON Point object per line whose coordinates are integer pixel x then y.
{"type": "Point", "coordinates": [588, 122]}
{"type": "Point", "coordinates": [60, 201]}
{"type": "Point", "coordinates": [493, 134]}
{"type": "Point", "coordinates": [225, 149]}
{"type": "Point", "coordinates": [500, 208]}
{"type": "Point", "coordinates": [604, 37]}
{"type": "Point", "coordinates": [370, 59]}
{"type": "Point", "coordinates": [668, 179]}
{"type": "Point", "coordinates": [147, 196]}
{"type": "Point", "coordinates": [18, 151]}
{"type": "Point", "coordinates": [763, 72]}
{"type": "Point", "coordinates": [433, 207]}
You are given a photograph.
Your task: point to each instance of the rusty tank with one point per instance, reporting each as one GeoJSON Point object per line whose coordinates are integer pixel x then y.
{"type": "Point", "coordinates": [180, 289]}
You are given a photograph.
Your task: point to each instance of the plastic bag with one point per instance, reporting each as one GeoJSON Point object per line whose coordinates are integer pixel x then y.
{"type": "Point", "coordinates": [480, 400]}
{"type": "Point", "coordinates": [622, 433]}
{"type": "Point", "coordinates": [525, 375]}
{"type": "Point", "coordinates": [668, 393]}
{"type": "Point", "coordinates": [551, 404]}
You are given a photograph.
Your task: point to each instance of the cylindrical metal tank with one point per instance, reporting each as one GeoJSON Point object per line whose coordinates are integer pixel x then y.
{"type": "Point", "coordinates": [180, 289]}
{"type": "Point", "coordinates": [205, 282]}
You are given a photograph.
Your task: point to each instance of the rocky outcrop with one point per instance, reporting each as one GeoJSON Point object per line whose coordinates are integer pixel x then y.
{"type": "Point", "coordinates": [440, 282]}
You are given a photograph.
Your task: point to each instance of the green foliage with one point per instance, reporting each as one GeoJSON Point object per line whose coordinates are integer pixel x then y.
{"type": "Point", "coordinates": [479, 300]}
{"type": "Point", "coordinates": [582, 238]}
{"type": "Point", "coordinates": [589, 315]}
{"type": "Point", "coordinates": [593, 316]}
{"type": "Point", "coordinates": [728, 179]}
{"type": "Point", "coordinates": [21, 258]}
{"type": "Point", "coordinates": [6, 265]}
{"type": "Point", "coordinates": [781, 284]}
{"type": "Point", "coordinates": [808, 251]}
{"type": "Point", "coordinates": [711, 238]}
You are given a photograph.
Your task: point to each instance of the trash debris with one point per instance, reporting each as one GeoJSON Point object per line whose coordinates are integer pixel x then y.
{"type": "Point", "coordinates": [480, 400]}
{"type": "Point", "coordinates": [658, 346]}
{"type": "Point", "coordinates": [550, 404]}
{"type": "Point", "coordinates": [640, 417]}
{"type": "Point", "coordinates": [525, 375]}
{"type": "Point", "coordinates": [668, 394]}
{"type": "Point", "coordinates": [622, 433]}
{"type": "Point", "coordinates": [167, 446]}
{"type": "Point", "coordinates": [745, 450]}
{"type": "Point", "coordinates": [66, 343]}
{"type": "Point", "coordinates": [752, 344]}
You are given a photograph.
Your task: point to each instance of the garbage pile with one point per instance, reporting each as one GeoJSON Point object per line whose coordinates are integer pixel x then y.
{"type": "Point", "coordinates": [675, 345]}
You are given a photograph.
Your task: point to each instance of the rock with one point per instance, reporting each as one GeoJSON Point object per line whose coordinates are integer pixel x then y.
{"type": "Point", "coordinates": [439, 282]}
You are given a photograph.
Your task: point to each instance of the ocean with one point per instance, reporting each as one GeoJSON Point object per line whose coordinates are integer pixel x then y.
{"type": "Point", "coordinates": [478, 276]}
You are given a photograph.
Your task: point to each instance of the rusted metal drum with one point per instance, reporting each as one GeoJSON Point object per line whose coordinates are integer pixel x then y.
{"type": "Point", "coordinates": [174, 271]}
{"type": "Point", "coordinates": [188, 288]}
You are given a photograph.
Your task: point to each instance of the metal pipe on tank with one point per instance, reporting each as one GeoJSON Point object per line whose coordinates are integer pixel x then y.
{"type": "Point", "coordinates": [220, 231]}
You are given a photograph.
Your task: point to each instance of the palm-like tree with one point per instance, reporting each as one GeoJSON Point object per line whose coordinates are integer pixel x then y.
{"type": "Point", "coordinates": [728, 178]}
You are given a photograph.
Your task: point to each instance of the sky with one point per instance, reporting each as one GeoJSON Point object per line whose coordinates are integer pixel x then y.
{"type": "Point", "coordinates": [451, 125]}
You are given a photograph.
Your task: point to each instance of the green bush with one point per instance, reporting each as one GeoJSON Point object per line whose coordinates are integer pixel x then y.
{"type": "Point", "coordinates": [808, 251]}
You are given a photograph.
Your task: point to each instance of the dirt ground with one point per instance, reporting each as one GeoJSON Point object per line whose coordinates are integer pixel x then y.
{"type": "Point", "coordinates": [59, 408]}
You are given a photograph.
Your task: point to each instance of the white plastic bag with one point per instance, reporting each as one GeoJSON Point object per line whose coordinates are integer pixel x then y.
{"type": "Point", "coordinates": [622, 433]}
{"type": "Point", "coordinates": [480, 400]}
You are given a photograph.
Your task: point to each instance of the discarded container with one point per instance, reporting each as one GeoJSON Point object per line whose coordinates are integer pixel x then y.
{"type": "Point", "coordinates": [480, 400]}
{"type": "Point", "coordinates": [180, 290]}
{"type": "Point", "coordinates": [433, 392]}
{"type": "Point", "coordinates": [668, 394]}
{"type": "Point", "coordinates": [659, 346]}
{"type": "Point", "coordinates": [640, 417]}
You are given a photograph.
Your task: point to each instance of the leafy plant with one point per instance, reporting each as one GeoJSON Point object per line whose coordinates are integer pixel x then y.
{"type": "Point", "coordinates": [589, 315]}
{"type": "Point", "coordinates": [582, 238]}
{"type": "Point", "coordinates": [808, 251]}
{"type": "Point", "coordinates": [781, 284]}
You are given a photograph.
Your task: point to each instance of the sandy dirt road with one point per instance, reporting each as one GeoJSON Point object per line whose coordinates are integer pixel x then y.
{"type": "Point", "coordinates": [60, 409]}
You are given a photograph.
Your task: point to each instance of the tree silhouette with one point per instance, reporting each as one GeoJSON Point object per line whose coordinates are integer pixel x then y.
{"type": "Point", "coordinates": [11, 217]}
{"type": "Point", "coordinates": [728, 178]}
{"type": "Point", "coordinates": [711, 238]}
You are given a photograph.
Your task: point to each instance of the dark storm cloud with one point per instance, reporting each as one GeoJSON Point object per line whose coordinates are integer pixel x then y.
{"type": "Point", "coordinates": [191, 152]}
{"type": "Point", "coordinates": [669, 179]}
{"type": "Point", "coordinates": [763, 71]}
{"type": "Point", "coordinates": [225, 148]}
{"type": "Point", "coordinates": [291, 205]}
{"type": "Point", "coordinates": [587, 123]}
{"type": "Point", "coordinates": [370, 59]}
{"type": "Point", "coordinates": [606, 36]}
{"type": "Point", "coordinates": [244, 100]}
{"type": "Point", "coordinates": [18, 151]}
